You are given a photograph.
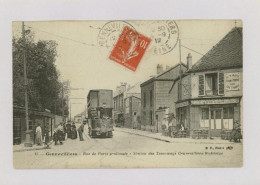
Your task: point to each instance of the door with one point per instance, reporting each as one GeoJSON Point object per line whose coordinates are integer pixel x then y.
{"type": "Point", "coordinates": [215, 122]}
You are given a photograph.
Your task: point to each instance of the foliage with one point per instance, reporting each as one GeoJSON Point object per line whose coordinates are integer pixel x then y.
{"type": "Point", "coordinates": [44, 87]}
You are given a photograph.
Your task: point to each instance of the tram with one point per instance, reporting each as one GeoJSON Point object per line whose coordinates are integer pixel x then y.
{"type": "Point", "coordinates": [100, 107]}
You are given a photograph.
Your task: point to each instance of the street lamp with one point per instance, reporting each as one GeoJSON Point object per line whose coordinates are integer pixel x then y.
{"type": "Point", "coordinates": [28, 141]}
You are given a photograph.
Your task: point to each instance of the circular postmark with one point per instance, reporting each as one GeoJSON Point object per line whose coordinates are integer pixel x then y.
{"type": "Point", "coordinates": [164, 35]}
{"type": "Point", "coordinates": [110, 32]}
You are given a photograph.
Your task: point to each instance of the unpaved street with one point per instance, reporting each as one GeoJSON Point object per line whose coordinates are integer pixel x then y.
{"type": "Point", "coordinates": [129, 150]}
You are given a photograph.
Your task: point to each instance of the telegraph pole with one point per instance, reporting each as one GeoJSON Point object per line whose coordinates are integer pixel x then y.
{"type": "Point", "coordinates": [62, 91]}
{"type": "Point", "coordinates": [28, 142]}
{"type": "Point", "coordinates": [180, 69]}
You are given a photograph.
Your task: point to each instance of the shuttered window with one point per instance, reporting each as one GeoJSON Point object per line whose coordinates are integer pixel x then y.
{"type": "Point", "coordinates": [221, 83]}
{"type": "Point", "coordinates": [201, 85]}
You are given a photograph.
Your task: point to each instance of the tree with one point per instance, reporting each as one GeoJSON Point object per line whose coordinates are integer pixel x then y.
{"type": "Point", "coordinates": [44, 87]}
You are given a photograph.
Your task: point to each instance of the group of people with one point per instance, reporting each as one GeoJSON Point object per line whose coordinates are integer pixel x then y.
{"type": "Point", "coordinates": [39, 136]}
{"type": "Point", "coordinates": [62, 132]}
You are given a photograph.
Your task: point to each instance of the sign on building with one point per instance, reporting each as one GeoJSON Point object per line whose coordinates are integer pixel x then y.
{"type": "Point", "coordinates": [232, 81]}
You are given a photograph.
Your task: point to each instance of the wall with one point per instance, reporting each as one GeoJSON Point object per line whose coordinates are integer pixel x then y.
{"type": "Point", "coordinates": [136, 107]}
{"type": "Point", "coordinates": [165, 98]}
{"type": "Point", "coordinates": [173, 73]}
{"type": "Point", "coordinates": [145, 111]}
{"type": "Point", "coordinates": [159, 117]}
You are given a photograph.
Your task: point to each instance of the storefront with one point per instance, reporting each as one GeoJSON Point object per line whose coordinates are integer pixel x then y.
{"type": "Point", "coordinates": [214, 114]}
{"type": "Point", "coordinates": [44, 118]}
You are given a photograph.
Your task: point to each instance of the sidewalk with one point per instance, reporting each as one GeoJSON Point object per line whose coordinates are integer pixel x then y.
{"type": "Point", "coordinates": [159, 136]}
{"type": "Point", "coordinates": [22, 148]}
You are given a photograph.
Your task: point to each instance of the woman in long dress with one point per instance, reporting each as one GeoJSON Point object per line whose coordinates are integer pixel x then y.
{"type": "Point", "coordinates": [39, 135]}
{"type": "Point", "coordinates": [73, 131]}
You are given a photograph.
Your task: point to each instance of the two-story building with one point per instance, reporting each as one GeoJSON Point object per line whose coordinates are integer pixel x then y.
{"type": "Point", "coordinates": [131, 94]}
{"type": "Point", "coordinates": [210, 93]}
{"type": "Point", "coordinates": [156, 99]}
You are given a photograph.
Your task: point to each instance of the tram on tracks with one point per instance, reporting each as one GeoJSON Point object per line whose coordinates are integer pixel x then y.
{"type": "Point", "coordinates": [100, 107]}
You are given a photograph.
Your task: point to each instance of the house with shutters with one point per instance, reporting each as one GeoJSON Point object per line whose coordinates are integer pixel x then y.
{"type": "Point", "coordinates": [210, 92]}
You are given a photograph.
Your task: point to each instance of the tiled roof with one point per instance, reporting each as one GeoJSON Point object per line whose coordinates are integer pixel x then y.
{"type": "Point", "coordinates": [226, 54]}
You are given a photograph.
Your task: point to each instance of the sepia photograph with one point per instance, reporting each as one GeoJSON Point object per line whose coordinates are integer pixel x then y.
{"type": "Point", "coordinates": [127, 94]}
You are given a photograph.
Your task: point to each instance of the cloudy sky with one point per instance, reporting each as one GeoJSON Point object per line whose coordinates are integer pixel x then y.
{"type": "Point", "coordinates": [86, 65]}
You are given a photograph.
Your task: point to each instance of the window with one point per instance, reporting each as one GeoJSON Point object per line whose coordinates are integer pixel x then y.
{"type": "Point", "coordinates": [205, 113]}
{"type": "Point", "coordinates": [228, 112]}
{"type": "Point", "coordinates": [144, 99]}
{"type": "Point", "coordinates": [228, 117]}
{"type": "Point", "coordinates": [211, 84]}
{"type": "Point", "coordinates": [151, 97]}
{"type": "Point", "coordinates": [151, 117]}
{"type": "Point", "coordinates": [204, 122]}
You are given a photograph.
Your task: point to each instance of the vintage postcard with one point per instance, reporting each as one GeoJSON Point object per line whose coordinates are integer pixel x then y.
{"type": "Point", "coordinates": [127, 94]}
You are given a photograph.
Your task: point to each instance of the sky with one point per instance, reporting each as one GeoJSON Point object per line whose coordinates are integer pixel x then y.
{"type": "Point", "coordinates": [86, 64]}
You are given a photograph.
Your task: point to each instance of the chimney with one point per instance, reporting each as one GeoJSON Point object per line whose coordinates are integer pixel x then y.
{"type": "Point", "coordinates": [123, 86]}
{"type": "Point", "coordinates": [159, 68]}
{"type": "Point", "coordinates": [189, 61]}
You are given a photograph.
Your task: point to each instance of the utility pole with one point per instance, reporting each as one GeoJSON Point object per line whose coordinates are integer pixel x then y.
{"type": "Point", "coordinates": [28, 142]}
{"type": "Point", "coordinates": [70, 111]}
{"type": "Point", "coordinates": [180, 88]}
{"type": "Point", "coordinates": [62, 103]}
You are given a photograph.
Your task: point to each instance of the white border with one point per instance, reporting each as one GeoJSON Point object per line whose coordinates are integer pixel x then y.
{"type": "Point", "coordinates": [248, 11]}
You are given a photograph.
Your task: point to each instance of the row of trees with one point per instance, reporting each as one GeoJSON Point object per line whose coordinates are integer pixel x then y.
{"type": "Point", "coordinates": [45, 90]}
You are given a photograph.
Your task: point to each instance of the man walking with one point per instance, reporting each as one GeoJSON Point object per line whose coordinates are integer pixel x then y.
{"type": "Point", "coordinates": [81, 130]}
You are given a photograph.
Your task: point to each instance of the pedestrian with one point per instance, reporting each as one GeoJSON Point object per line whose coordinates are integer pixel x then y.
{"type": "Point", "coordinates": [46, 133]}
{"type": "Point", "coordinates": [236, 132]}
{"type": "Point", "coordinates": [64, 131]}
{"type": "Point", "coordinates": [58, 134]}
{"type": "Point", "coordinates": [39, 134]}
{"type": "Point", "coordinates": [81, 130]}
{"type": "Point", "coordinates": [172, 125]}
{"type": "Point", "coordinates": [68, 129]}
{"type": "Point", "coordinates": [73, 131]}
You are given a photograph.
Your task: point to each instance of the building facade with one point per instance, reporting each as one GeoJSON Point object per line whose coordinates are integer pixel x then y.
{"type": "Point", "coordinates": [156, 95]}
{"type": "Point", "coordinates": [132, 111]}
{"type": "Point", "coordinates": [122, 94]}
{"type": "Point", "coordinates": [44, 118]}
{"type": "Point", "coordinates": [210, 93]}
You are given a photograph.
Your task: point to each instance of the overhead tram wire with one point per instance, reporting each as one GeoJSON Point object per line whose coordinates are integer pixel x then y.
{"type": "Point", "coordinates": [192, 50]}
{"type": "Point", "coordinates": [63, 37]}
{"type": "Point", "coordinates": [93, 45]}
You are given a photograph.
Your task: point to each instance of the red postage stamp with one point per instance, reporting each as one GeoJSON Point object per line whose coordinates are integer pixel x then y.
{"type": "Point", "coordinates": [130, 48]}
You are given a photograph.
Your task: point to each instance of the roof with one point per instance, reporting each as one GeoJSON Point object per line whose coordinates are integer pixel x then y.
{"type": "Point", "coordinates": [98, 90]}
{"type": "Point", "coordinates": [227, 53]}
{"type": "Point", "coordinates": [33, 111]}
{"type": "Point", "coordinates": [162, 76]}
{"type": "Point", "coordinates": [135, 95]}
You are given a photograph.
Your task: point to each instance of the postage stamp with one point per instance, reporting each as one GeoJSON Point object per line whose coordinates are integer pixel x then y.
{"type": "Point", "coordinates": [130, 48]}
{"type": "Point", "coordinates": [164, 35]}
